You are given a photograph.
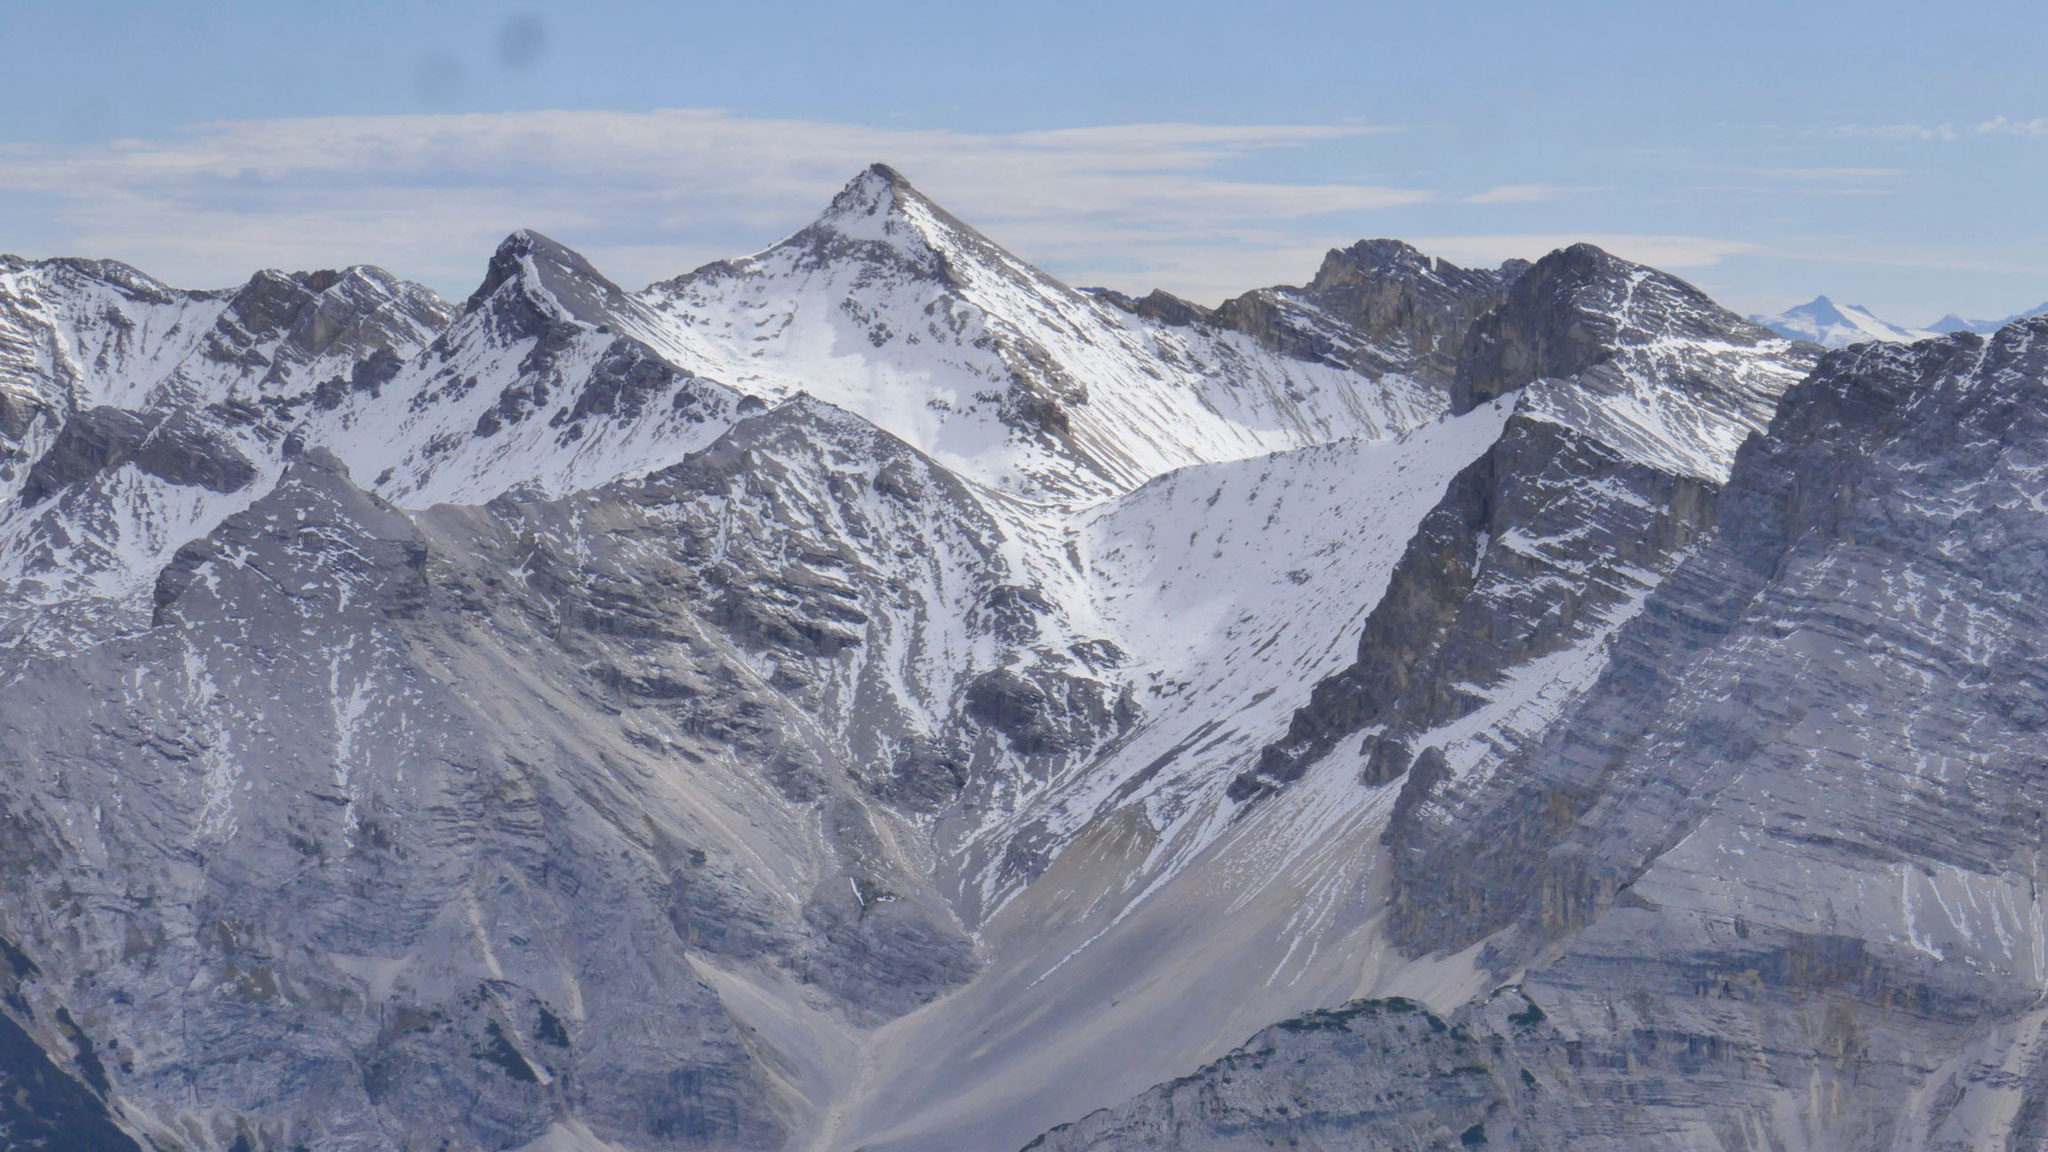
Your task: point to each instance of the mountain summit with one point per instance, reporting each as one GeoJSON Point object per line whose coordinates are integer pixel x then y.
{"type": "Point", "coordinates": [1953, 323]}
{"type": "Point", "coordinates": [549, 275]}
{"type": "Point", "coordinates": [879, 216]}
{"type": "Point", "coordinates": [1823, 322]}
{"type": "Point", "coordinates": [1379, 306]}
{"type": "Point", "coordinates": [889, 306]}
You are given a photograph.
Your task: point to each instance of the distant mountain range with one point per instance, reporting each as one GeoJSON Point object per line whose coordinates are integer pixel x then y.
{"type": "Point", "coordinates": [1822, 321]}
{"type": "Point", "coordinates": [1954, 323]}
{"type": "Point", "coordinates": [870, 695]}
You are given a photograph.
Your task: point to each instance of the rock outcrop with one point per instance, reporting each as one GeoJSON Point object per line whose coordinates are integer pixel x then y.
{"type": "Point", "coordinates": [1631, 391]}
{"type": "Point", "coordinates": [1769, 883]}
{"type": "Point", "coordinates": [1378, 306]}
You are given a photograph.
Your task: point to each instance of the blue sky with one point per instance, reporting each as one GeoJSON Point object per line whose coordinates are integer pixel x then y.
{"type": "Point", "coordinates": [1879, 153]}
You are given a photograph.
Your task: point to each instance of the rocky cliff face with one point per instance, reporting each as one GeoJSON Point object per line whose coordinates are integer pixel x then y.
{"type": "Point", "coordinates": [133, 416]}
{"type": "Point", "coordinates": [1769, 882]}
{"type": "Point", "coordinates": [870, 695]}
{"type": "Point", "coordinates": [410, 782]}
{"type": "Point", "coordinates": [1378, 306]}
{"type": "Point", "coordinates": [1595, 489]}
{"type": "Point", "coordinates": [1374, 1074]}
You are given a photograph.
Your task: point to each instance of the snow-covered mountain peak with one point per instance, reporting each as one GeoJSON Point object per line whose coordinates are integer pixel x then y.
{"type": "Point", "coordinates": [869, 197]}
{"type": "Point", "coordinates": [297, 330]}
{"type": "Point", "coordinates": [1637, 358]}
{"type": "Point", "coordinates": [880, 204]}
{"type": "Point", "coordinates": [1831, 325]}
{"type": "Point", "coordinates": [1952, 323]}
{"type": "Point", "coordinates": [75, 271]}
{"type": "Point", "coordinates": [79, 334]}
{"type": "Point", "coordinates": [890, 307]}
{"type": "Point", "coordinates": [358, 283]}
{"type": "Point", "coordinates": [134, 416]}
{"type": "Point", "coordinates": [880, 221]}
{"type": "Point", "coordinates": [548, 276]}
{"type": "Point", "coordinates": [1378, 306]}
{"type": "Point", "coordinates": [550, 377]}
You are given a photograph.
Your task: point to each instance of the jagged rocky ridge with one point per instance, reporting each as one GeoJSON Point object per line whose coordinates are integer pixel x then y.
{"type": "Point", "coordinates": [863, 695]}
{"type": "Point", "coordinates": [1770, 882]}
{"type": "Point", "coordinates": [1633, 389]}
{"type": "Point", "coordinates": [1379, 306]}
{"type": "Point", "coordinates": [134, 416]}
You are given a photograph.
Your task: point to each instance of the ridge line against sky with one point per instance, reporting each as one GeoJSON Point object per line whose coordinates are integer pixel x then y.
{"type": "Point", "coordinates": [1149, 146]}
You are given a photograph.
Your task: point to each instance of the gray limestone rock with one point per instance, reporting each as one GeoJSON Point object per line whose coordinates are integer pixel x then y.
{"type": "Point", "coordinates": [1378, 306]}
{"type": "Point", "coordinates": [1770, 882]}
{"type": "Point", "coordinates": [1543, 545]}
{"type": "Point", "coordinates": [1371, 1074]}
{"type": "Point", "coordinates": [551, 723]}
{"type": "Point", "coordinates": [1579, 308]}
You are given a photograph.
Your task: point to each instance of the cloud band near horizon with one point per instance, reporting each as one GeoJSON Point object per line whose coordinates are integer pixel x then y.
{"type": "Point", "coordinates": [650, 194]}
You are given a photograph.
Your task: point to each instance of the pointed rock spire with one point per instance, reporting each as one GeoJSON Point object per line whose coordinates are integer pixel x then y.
{"type": "Point", "coordinates": [879, 216]}
{"type": "Point", "coordinates": [549, 272]}
{"type": "Point", "coordinates": [866, 207]}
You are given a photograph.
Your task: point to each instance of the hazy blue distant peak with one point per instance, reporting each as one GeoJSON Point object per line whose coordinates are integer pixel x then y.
{"type": "Point", "coordinates": [1954, 323]}
{"type": "Point", "coordinates": [1832, 325]}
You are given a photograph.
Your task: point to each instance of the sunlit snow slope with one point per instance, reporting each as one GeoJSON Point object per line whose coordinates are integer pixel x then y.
{"type": "Point", "coordinates": [1833, 325]}
{"type": "Point", "coordinates": [891, 308]}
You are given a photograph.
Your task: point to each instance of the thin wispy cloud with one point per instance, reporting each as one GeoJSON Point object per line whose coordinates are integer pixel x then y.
{"type": "Point", "coordinates": [1519, 194]}
{"type": "Point", "coordinates": [1973, 260]}
{"type": "Point", "coordinates": [1897, 131]}
{"type": "Point", "coordinates": [651, 194]}
{"type": "Point", "coordinates": [2001, 125]}
{"type": "Point", "coordinates": [1836, 174]}
{"type": "Point", "coordinates": [2035, 129]}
